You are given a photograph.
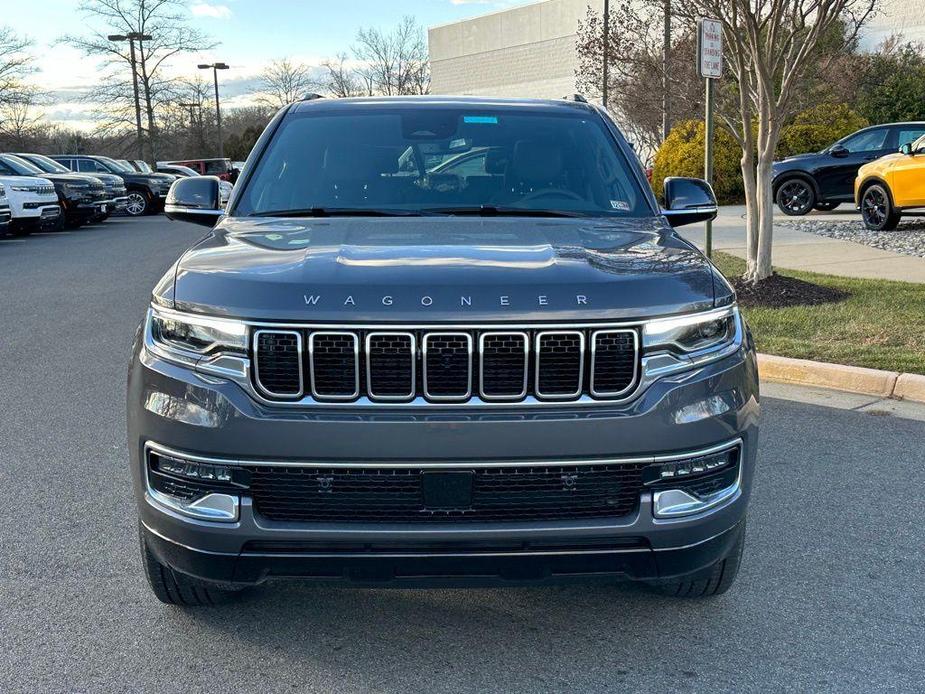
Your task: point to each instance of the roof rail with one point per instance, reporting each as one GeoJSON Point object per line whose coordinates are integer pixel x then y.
{"type": "Point", "coordinates": [575, 97]}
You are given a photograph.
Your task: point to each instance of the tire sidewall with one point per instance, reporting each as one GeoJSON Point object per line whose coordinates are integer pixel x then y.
{"type": "Point", "coordinates": [134, 195]}
{"type": "Point", "coordinates": [889, 207]}
{"type": "Point", "coordinates": [811, 201]}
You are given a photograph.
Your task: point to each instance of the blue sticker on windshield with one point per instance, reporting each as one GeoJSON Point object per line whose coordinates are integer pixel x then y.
{"type": "Point", "coordinates": [482, 120]}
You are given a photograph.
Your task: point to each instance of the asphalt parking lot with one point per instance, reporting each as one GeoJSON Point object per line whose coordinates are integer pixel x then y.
{"type": "Point", "coordinates": [831, 595]}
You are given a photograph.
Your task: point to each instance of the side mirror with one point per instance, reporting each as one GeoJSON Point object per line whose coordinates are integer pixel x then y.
{"type": "Point", "coordinates": [906, 149]}
{"type": "Point", "coordinates": [196, 199]}
{"type": "Point", "coordinates": [688, 200]}
{"type": "Point", "coordinates": [839, 151]}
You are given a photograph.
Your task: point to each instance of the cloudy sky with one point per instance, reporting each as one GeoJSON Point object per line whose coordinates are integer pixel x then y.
{"type": "Point", "coordinates": [251, 33]}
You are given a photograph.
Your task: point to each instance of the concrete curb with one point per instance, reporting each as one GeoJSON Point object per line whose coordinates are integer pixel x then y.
{"type": "Point", "coordinates": [854, 379]}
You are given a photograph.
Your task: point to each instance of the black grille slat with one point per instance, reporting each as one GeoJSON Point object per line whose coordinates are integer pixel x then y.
{"type": "Point", "coordinates": [390, 367]}
{"type": "Point", "coordinates": [447, 365]}
{"type": "Point", "coordinates": [614, 362]}
{"type": "Point", "coordinates": [278, 362]}
{"type": "Point", "coordinates": [504, 365]}
{"type": "Point", "coordinates": [498, 494]}
{"type": "Point", "coordinates": [334, 365]}
{"type": "Point", "coordinates": [559, 361]}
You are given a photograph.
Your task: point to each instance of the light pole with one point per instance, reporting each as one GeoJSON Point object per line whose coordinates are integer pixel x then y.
{"type": "Point", "coordinates": [215, 67]}
{"type": "Point", "coordinates": [131, 37]}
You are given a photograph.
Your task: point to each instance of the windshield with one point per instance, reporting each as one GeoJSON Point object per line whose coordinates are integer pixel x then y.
{"type": "Point", "coordinates": [45, 164]}
{"type": "Point", "coordinates": [20, 166]}
{"type": "Point", "coordinates": [444, 161]}
{"type": "Point", "coordinates": [179, 170]}
{"type": "Point", "coordinates": [115, 166]}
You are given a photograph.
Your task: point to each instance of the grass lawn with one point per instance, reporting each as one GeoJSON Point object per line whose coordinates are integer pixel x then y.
{"type": "Point", "coordinates": [881, 325]}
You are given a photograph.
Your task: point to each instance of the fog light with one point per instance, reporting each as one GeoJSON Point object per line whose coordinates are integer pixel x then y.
{"type": "Point", "coordinates": [191, 470]}
{"type": "Point", "coordinates": [680, 469]}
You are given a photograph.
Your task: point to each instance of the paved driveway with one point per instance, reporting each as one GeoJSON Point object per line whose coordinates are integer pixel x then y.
{"type": "Point", "coordinates": [830, 597]}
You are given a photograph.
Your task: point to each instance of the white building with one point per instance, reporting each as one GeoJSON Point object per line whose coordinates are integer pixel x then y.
{"type": "Point", "coordinates": [529, 50]}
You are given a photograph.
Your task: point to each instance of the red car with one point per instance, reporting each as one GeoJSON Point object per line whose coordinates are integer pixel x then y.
{"type": "Point", "coordinates": [208, 167]}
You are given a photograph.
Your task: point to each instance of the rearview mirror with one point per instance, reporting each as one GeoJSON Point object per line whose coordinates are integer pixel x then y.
{"type": "Point", "coordinates": [906, 148]}
{"type": "Point", "coordinates": [195, 199]}
{"type": "Point", "coordinates": [688, 200]}
{"type": "Point", "coordinates": [839, 151]}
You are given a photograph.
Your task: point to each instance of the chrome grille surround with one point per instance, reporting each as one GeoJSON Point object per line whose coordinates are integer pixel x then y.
{"type": "Point", "coordinates": [526, 368]}
{"type": "Point", "coordinates": [594, 337]}
{"type": "Point", "coordinates": [462, 397]}
{"type": "Point", "coordinates": [315, 390]}
{"type": "Point", "coordinates": [412, 351]}
{"type": "Point", "coordinates": [538, 347]}
{"type": "Point", "coordinates": [256, 350]}
{"type": "Point", "coordinates": [420, 340]}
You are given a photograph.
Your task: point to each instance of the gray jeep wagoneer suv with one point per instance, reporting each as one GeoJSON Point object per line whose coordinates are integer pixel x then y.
{"type": "Point", "coordinates": [438, 341]}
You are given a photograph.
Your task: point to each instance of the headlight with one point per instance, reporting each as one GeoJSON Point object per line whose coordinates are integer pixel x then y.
{"type": "Point", "coordinates": [191, 339]}
{"type": "Point", "coordinates": [691, 333]}
{"type": "Point", "coordinates": [76, 188]}
{"type": "Point", "coordinates": [25, 189]}
{"type": "Point", "coordinates": [694, 339]}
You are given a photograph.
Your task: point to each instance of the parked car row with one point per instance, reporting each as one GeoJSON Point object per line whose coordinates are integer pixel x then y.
{"type": "Point", "coordinates": [70, 190]}
{"type": "Point", "coordinates": [880, 168]}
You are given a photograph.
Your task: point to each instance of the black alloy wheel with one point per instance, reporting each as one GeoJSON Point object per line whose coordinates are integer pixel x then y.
{"type": "Point", "coordinates": [796, 197]}
{"type": "Point", "coordinates": [877, 209]}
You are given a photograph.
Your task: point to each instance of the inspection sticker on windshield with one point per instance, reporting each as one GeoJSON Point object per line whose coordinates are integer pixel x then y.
{"type": "Point", "coordinates": [482, 120]}
{"type": "Point", "coordinates": [620, 205]}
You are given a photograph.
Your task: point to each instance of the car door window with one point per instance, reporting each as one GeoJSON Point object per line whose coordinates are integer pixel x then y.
{"type": "Point", "coordinates": [86, 165]}
{"type": "Point", "coordinates": [867, 141]}
{"type": "Point", "coordinates": [908, 135]}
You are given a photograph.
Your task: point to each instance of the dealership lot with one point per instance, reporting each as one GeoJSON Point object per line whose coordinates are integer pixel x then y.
{"type": "Point", "coordinates": [830, 596]}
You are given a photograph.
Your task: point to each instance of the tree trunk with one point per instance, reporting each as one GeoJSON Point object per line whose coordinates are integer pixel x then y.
{"type": "Point", "coordinates": [747, 164]}
{"type": "Point", "coordinates": [765, 217]}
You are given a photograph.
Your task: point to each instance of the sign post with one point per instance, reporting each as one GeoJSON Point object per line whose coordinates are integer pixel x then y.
{"type": "Point", "coordinates": [710, 67]}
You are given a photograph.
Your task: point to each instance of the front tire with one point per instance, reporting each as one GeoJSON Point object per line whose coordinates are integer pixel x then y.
{"type": "Point", "coordinates": [174, 588]}
{"type": "Point", "coordinates": [138, 204]}
{"type": "Point", "coordinates": [795, 197]}
{"type": "Point", "coordinates": [712, 581]}
{"type": "Point", "coordinates": [877, 209]}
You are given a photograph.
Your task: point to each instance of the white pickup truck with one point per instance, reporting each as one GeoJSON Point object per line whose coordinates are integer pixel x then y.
{"type": "Point", "coordinates": [33, 203]}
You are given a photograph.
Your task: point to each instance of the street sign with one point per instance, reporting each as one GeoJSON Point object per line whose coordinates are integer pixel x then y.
{"type": "Point", "coordinates": [710, 48]}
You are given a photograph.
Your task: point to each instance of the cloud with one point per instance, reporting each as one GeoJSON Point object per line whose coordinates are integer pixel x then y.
{"type": "Point", "coordinates": [470, 2]}
{"type": "Point", "coordinates": [205, 9]}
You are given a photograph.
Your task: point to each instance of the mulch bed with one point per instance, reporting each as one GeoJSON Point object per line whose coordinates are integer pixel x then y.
{"type": "Point", "coordinates": [779, 291]}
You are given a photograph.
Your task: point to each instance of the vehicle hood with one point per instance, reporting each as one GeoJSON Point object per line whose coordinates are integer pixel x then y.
{"type": "Point", "coordinates": [795, 158]}
{"type": "Point", "coordinates": [440, 269]}
{"type": "Point", "coordinates": [71, 178]}
{"type": "Point", "coordinates": [148, 178]}
{"type": "Point", "coordinates": [23, 181]}
{"type": "Point", "coordinates": [107, 179]}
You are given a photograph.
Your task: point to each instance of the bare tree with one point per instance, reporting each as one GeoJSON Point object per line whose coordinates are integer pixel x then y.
{"type": "Point", "coordinates": [635, 65]}
{"type": "Point", "coordinates": [395, 62]}
{"type": "Point", "coordinates": [21, 118]}
{"type": "Point", "coordinates": [770, 46]}
{"type": "Point", "coordinates": [15, 65]}
{"type": "Point", "coordinates": [166, 22]}
{"type": "Point", "coordinates": [340, 80]}
{"type": "Point", "coordinates": [284, 81]}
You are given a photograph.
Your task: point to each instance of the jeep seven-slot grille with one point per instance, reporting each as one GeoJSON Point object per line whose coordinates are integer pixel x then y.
{"type": "Point", "coordinates": [445, 365]}
{"type": "Point", "coordinates": [303, 494]}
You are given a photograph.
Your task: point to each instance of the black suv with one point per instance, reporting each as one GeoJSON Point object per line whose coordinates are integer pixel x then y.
{"type": "Point", "coordinates": [825, 179]}
{"type": "Point", "coordinates": [82, 199]}
{"type": "Point", "coordinates": [391, 361]}
{"type": "Point", "coordinates": [146, 191]}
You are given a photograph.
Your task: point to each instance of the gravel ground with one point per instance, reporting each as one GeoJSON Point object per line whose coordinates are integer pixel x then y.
{"type": "Point", "coordinates": [830, 596]}
{"type": "Point", "coordinates": [908, 238]}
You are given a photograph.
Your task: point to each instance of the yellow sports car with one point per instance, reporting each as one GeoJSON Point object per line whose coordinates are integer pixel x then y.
{"type": "Point", "coordinates": [891, 185]}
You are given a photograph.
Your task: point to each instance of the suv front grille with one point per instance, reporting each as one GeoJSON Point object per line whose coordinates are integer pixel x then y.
{"type": "Point", "coordinates": [445, 365]}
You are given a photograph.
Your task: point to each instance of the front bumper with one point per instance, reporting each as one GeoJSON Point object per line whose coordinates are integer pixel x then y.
{"type": "Point", "coordinates": [173, 407]}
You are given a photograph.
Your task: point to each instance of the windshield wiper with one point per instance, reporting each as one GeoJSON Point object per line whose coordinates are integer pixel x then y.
{"type": "Point", "coordinates": [339, 212]}
{"type": "Point", "coordinates": [502, 211]}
